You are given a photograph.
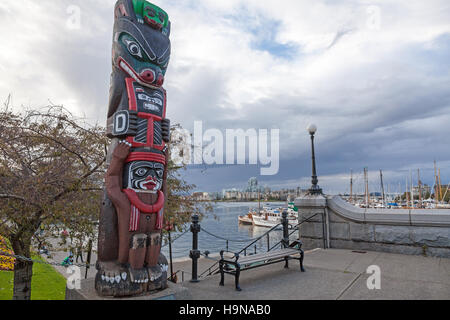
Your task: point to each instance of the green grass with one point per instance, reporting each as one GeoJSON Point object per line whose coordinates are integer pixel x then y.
{"type": "Point", "coordinates": [46, 284]}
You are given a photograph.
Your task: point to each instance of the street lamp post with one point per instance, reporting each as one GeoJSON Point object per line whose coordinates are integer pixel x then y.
{"type": "Point", "coordinates": [315, 189]}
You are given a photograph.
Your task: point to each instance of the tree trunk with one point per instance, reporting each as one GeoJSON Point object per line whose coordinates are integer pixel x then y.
{"type": "Point", "coordinates": [23, 271]}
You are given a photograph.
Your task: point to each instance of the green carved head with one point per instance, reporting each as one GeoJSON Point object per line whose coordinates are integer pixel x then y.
{"type": "Point", "coordinates": [141, 47]}
{"type": "Point", "coordinates": [151, 14]}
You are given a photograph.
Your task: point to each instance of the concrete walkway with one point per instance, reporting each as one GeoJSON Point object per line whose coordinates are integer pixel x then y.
{"type": "Point", "coordinates": [331, 274]}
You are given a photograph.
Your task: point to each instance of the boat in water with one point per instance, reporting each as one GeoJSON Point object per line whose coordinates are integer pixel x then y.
{"type": "Point", "coordinates": [270, 218]}
{"type": "Point", "coordinates": [246, 219]}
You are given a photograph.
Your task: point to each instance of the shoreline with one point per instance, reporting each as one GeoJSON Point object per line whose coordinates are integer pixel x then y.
{"type": "Point", "coordinates": [243, 201]}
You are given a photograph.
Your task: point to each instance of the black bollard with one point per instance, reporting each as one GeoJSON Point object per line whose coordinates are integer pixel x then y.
{"type": "Point", "coordinates": [285, 241]}
{"type": "Point", "coordinates": [170, 257]}
{"type": "Point", "coordinates": [195, 253]}
{"type": "Point", "coordinates": [88, 259]}
{"type": "Point", "coordinates": [285, 223]}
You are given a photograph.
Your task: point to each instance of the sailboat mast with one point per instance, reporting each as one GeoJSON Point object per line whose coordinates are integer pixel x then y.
{"type": "Point", "coordinates": [351, 186]}
{"type": "Point", "coordinates": [366, 188]}
{"type": "Point", "coordinates": [440, 186]}
{"type": "Point", "coordinates": [419, 183]}
{"type": "Point", "coordinates": [436, 196]}
{"type": "Point", "coordinates": [443, 197]}
{"type": "Point", "coordinates": [382, 188]}
{"type": "Point", "coordinates": [411, 189]}
{"type": "Point", "coordinates": [406, 192]}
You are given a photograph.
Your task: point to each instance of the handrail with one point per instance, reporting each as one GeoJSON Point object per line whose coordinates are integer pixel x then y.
{"type": "Point", "coordinates": [257, 239]}
{"type": "Point", "coordinates": [295, 229]}
{"type": "Point", "coordinates": [182, 274]}
{"type": "Point", "coordinates": [208, 270]}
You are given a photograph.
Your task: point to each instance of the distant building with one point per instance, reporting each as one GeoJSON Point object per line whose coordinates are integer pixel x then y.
{"type": "Point", "coordinates": [230, 194]}
{"type": "Point", "coordinates": [254, 192]}
{"type": "Point", "coordinates": [215, 195]}
{"type": "Point", "coordinates": [252, 185]}
{"type": "Point", "coordinates": [201, 196]}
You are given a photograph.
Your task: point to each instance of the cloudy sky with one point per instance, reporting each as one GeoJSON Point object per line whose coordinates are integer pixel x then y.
{"type": "Point", "coordinates": [374, 76]}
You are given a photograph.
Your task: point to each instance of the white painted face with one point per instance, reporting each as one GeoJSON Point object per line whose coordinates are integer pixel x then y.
{"type": "Point", "coordinates": [144, 176]}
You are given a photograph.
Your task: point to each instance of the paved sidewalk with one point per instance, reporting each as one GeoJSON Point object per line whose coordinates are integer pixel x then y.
{"type": "Point", "coordinates": [330, 274]}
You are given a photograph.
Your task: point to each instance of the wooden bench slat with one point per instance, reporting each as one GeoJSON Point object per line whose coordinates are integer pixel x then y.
{"type": "Point", "coordinates": [246, 262]}
{"type": "Point", "coordinates": [267, 255]}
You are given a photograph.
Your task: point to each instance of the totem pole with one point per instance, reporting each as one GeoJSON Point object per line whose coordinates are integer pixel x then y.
{"type": "Point", "coordinates": [129, 258]}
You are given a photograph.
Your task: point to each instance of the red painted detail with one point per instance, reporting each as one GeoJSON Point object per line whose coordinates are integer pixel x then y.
{"type": "Point", "coordinates": [146, 156]}
{"type": "Point", "coordinates": [165, 102]}
{"type": "Point", "coordinates": [131, 96]}
{"type": "Point", "coordinates": [123, 10]}
{"type": "Point", "coordinates": [135, 144]}
{"type": "Point", "coordinates": [138, 76]}
{"type": "Point", "coordinates": [160, 80]}
{"type": "Point", "coordinates": [148, 75]}
{"type": "Point", "coordinates": [134, 219]}
{"type": "Point", "coordinates": [153, 23]}
{"type": "Point", "coordinates": [143, 207]}
{"type": "Point", "coordinates": [150, 183]}
{"type": "Point", "coordinates": [151, 117]}
{"type": "Point", "coordinates": [120, 11]}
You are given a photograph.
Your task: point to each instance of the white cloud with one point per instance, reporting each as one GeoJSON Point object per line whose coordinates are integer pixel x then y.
{"type": "Point", "coordinates": [368, 86]}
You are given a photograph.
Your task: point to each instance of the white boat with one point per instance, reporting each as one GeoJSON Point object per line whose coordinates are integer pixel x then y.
{"type": "Point", "coordinates": [270, 218]}
{"type": "Point", "coordinates": [247, 219]}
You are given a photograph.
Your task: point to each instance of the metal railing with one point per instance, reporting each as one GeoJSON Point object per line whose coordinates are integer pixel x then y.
{"type": "Point", "coordinates": [297, 226]}
{"type": "Point", "coordinates": [214, 268]}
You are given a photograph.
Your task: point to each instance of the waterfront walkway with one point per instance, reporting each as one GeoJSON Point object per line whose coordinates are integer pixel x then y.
{"type": "Point", "coordinates": [330, 274]}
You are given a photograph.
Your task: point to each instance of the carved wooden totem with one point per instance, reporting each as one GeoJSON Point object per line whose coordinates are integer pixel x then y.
{"type": "Point", "coordinates": [129, 259]}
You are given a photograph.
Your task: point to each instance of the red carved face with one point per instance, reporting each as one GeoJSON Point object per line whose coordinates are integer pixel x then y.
{"type": "Point", "coordinates": [150, 183]}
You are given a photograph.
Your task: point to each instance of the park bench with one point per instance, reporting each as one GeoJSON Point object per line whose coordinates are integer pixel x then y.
{"type": "Point", "coordinates": [237, 264]}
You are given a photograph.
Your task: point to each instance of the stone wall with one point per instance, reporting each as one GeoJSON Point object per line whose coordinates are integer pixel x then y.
{"type": "Point", "coordinates": [417, 232]}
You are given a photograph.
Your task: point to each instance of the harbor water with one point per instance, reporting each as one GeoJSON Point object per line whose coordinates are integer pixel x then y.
{"type": "Point", "coordinates": [223, 222]}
